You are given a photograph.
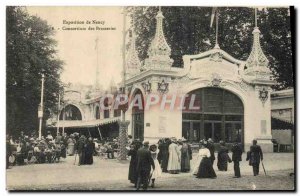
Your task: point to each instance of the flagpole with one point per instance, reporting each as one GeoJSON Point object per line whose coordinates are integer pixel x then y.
{"type": "Point", "coordinates": [64, 109]}
{"type": "Point", "coordinates": [217, 28]}
{"type": "Point", "coordinates": [97, 65]}
{"type": "Point", "coordinates": [41, 107]}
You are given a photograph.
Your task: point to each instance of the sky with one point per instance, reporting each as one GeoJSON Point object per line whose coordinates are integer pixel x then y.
{"type": "Point", "coordinates": [77, 48]}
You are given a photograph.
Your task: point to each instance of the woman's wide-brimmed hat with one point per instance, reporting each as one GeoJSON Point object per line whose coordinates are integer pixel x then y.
{"type": "Point", "coordinates": [173, 139]}
{"type": "Point", "coordinates": [183, 139]}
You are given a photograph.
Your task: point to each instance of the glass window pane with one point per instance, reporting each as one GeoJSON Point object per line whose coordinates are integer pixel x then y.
{"type": "Point", "coordinates": [207, 130]}
{"type": "Point", "coordinates": [228, 132]}
{"type": "Point", "coordinates": [217, 132]}
{"type": "Point", "coordinates": [238, 132]}
{"type": "Point", "coordinates": [185, 129]}
{"type": "Point", "coordinates": [233, 118]}
{"type": "Point", "coordinates": [212, 117]}
{"type": "Point", "coordinates": [195, 134]}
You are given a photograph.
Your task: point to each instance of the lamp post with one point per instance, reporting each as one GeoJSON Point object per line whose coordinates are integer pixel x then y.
{"type": "Point", "coordinates": [58, 109]}
{"type": "Point", "coordinates": [41, 108]}
{"type": "Point", "coordinates": [123, 124]}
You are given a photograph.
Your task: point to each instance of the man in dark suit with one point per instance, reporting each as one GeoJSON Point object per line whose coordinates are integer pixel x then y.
{"type": "Point", "coordinates": [80, 148]}
{"type": "Point", "coordinates": [255, 156]}
{"type": "Point", "coordinates": [144, 163]}
{"type": "Point", "coordinates": [236, 158]}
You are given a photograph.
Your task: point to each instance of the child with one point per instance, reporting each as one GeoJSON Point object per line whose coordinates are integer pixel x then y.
{"type": "Point", "coordinates": [157, 172]}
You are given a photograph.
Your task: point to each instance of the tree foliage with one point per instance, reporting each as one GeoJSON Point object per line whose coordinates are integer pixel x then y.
{"type": "Point", "coordinates": [187, 30]}
{"type": "Point", "coordinates": [30, 52]}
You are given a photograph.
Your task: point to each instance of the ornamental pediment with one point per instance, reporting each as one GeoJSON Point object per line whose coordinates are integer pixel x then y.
{"type": "Point", "coordinates": [211, 62]}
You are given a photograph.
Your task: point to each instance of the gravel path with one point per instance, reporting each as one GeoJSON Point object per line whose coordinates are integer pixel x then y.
{"type": "Point", "coordinates": [107, 174]}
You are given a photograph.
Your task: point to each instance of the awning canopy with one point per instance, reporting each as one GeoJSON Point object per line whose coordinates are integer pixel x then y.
{"type": "Point", "coordinates": [281, 124]}
{"type": "Point", "coordinates": [85, 124]}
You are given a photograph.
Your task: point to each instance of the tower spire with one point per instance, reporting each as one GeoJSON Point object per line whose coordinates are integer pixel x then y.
{"type": "Point", "coordinates": [257, 61]}
{"type": "Point", "coordinates": [159, 51]}
{"type": "Point", "coordinates": [133, 64]}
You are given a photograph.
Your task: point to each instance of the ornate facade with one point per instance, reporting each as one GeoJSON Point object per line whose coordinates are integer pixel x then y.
{"type": "Point", "coordinates": [235, 94]}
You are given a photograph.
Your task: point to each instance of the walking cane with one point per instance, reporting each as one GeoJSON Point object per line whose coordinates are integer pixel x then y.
{"type": "Point", "coordinates": [262, 163]}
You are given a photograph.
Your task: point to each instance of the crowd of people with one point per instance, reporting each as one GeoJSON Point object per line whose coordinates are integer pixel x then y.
{"type": "Point", "coordinates": [32, 150]}
{"type": "Point", "coordinates": [173, 156]}
{"type": "Point", "coordinates": [29, 149]}
{"type": "Point", "coordinates": [147, 162]}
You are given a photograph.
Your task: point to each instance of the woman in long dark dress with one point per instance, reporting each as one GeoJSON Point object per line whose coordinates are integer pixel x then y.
{"type": "Point", "coordinates": [206, 169]}
{"type": "Point", "coordinates": [89, 151]}
{"type": "Point", "coordinates": [132, 174]}
{"type": "Point", "coordinates": [223, 157]}
{"type": "Point", "coordinates": [186, 156]}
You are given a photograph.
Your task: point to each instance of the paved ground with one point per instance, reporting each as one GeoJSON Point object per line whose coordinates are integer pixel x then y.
{"type": "Point", "coordinates": [107, 174]}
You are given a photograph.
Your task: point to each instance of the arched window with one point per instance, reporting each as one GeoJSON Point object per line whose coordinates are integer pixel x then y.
{"type": "Point", "coordinates": [70, 112]}
{"type": "Point", "coordinates": [219, 116]}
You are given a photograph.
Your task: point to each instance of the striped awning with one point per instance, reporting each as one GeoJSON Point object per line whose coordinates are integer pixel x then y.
{"type": "Point", "coordinates": [85, 124]}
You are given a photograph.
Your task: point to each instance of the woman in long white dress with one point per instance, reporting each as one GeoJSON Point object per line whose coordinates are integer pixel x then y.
{"type": "Point", "coordinates": [157, 172]}
{"type": "Point", "coordinates": [174, 157]}
{"type": "Point", "coordinates": [202, 153]}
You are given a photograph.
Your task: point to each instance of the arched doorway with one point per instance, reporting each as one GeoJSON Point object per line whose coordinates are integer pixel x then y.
{"type": "Point", "coordinates": [138, 118]}
{"type": "Point", "coordinates": [220, 116]}
{"type": "Point", "coordinates": [70, 112]}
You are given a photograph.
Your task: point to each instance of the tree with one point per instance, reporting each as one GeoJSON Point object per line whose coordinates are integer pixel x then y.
{"type": "Point", "coordinates": [30, 52]}
{"type": "Point", "coordinates": [187, 31]}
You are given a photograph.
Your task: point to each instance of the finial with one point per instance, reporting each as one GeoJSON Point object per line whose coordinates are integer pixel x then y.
{"type": "Point", "coordinates": [215, 12]}
{"type": "Point", "coordinates": [159, 8]}
{"type": "Point", "coordinates": [217, 28]}
{"type": "Point", "coordinates": [255, 13]}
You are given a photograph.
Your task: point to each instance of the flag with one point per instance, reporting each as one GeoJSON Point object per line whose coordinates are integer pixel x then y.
{"type": "Point", "coordinates": [96, 45]}
{"type": "Point", "coordinates": [214, 11]}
